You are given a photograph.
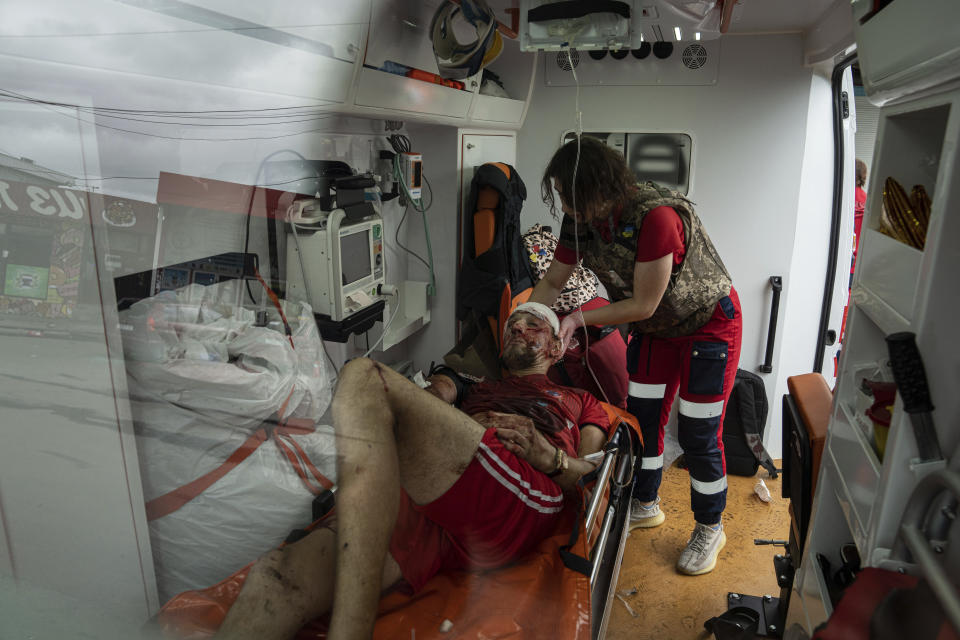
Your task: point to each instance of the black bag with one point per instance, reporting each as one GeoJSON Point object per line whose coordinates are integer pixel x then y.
{"type": "Point", "coordinates": [504, 265]}
{"type": "Point", "coordinates": [743, 427]}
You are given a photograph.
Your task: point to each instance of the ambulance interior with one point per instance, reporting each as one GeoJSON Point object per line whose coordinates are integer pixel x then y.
{"type": "Point", "coordinates": [207, 208]}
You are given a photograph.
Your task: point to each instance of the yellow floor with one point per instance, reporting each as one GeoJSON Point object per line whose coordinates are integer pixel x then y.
{"type": "Point", "coordinates": [670, 606]}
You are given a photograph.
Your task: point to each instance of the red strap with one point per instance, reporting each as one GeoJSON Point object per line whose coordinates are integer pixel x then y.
{"type": "Point", "coordinates": [170, 502]}
{"type": "Point", "coordinates": [322, 479]}
{"type": "Point", "coordinates": [295, 463]}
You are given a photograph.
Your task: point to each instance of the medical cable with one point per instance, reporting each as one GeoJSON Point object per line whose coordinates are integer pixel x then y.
{"type": "Point", "coordinates": [253, 194]}
{"type": "Point", "coordinates": [396, 239]}
{"type": "Point", "coordinates": [401, 144]}
{"type": "Point", "coordinates": [422, 209]}
{"type": "Point", "coordinates": [306, 283]}
{"type": "Point", "coordinates": [396, 235]}
{"type": "Point", "coordinates": [576, 230]}
{"type": "Point", "coordinates": [383, 333]}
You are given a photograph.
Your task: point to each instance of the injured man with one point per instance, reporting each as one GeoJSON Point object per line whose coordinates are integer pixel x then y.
{"type": "Point", "coordinates": [426, 487]}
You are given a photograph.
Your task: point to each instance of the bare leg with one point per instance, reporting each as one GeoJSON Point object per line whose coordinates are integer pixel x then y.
{"type": "Point", "coordinates": [288, 587]}
{"type": "Point", "coordinates": [389, 433]}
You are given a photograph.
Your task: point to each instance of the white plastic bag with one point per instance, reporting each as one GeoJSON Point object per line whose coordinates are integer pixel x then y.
{"type": "Point", "coordinates": [210, 358]}
{"type": "Point", "coordinates": [249, 511]}
{"type": "Point", "coordinates": [202, 379]}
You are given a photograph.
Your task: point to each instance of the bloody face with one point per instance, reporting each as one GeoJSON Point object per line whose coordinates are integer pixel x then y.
{"type": "Point", "coordinates": [527, 341]}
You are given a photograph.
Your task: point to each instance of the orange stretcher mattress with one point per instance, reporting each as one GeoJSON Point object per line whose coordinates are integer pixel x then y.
{"type": "Point", "coordinates": [536, 599]}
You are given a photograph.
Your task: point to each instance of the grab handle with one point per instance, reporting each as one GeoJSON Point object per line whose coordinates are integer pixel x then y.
{"type": "Point", "coordinates": [777, 283]}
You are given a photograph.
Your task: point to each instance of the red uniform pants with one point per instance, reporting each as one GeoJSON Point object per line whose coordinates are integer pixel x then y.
{"type": "Point", "coordinates": [703, 367]}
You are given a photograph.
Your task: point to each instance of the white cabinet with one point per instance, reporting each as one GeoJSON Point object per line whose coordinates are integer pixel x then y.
{"type": "Point", "coordinates": [406, 96]}
{"type": "Point", "coordinates": [400, 33]}
{"type": "Point", "coordinates": [863, 486]}
{"type": "Point", "coordinates": [517, 72]}
{"type": "Point", "coordinates": [399, 37]}
{"type": "Point", "coordinates": [906, 45]}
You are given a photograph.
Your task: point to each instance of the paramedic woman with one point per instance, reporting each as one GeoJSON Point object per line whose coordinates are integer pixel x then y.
{"type": "Point", "coordinates": [666, 280]}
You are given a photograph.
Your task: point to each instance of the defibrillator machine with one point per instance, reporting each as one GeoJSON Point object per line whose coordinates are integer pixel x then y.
{"type": "Point", "coordinates": [335, 262]}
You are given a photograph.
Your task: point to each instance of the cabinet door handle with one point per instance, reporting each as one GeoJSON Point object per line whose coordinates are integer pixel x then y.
{"type": "Point", "coordinates": [470, 145]}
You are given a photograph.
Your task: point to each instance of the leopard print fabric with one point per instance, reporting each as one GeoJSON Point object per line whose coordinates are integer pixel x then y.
{"type": "Point", "coordinates": [582, 285]}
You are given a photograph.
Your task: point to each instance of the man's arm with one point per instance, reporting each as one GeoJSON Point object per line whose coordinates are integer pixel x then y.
{"type": "Point", "coordinates": [443, 387]}
{"type": "Point", "coordinates": [526, 441]}
{"type": "Point", "coordinates": [650, 281]}
{"type": "Point", "coordinates": [551, 285]}
{"type": "Point", "coordinates": [592, 439]}
{"type": "Point", "coordinates": [447, 385]}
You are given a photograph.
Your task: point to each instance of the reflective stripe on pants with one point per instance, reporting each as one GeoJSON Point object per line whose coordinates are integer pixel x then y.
{"type": "Point", "coordinates": [702, 367]}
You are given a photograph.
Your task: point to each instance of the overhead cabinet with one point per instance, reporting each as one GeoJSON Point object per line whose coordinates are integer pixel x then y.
{"type": "Point", "coordinates": [399, 47]}
{"type": "Point", "coordinates": [906, 46]}
{"type": "Point", "coordinates": [388, 91]}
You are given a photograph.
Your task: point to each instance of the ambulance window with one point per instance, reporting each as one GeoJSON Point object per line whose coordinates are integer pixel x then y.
{"type": "Point", "coordinates": [661, 157]}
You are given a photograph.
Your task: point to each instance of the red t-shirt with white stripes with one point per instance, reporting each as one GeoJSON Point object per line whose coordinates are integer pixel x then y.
{"type": "Point", "coordinates": [558, 412]}
{"type": "Point", "coordinates": [501, 507]}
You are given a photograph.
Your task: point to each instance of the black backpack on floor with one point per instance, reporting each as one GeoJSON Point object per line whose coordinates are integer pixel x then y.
{"type": "Point", "coordinates": [743, 427]}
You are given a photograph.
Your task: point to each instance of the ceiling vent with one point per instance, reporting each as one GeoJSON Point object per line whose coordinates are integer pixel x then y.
{"type": "Point", "coordinates": [565, 62]}
{"type": "Point", "coordinates": [694, 56]}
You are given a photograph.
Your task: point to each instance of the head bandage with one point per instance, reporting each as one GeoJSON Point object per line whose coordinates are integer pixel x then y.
{"type": "Point", "coordinates": [542, 311]}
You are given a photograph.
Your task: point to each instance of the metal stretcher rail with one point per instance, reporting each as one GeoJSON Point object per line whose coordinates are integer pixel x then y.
{"type": "Point", "coordinates": [601, 544]}
{"type": "Point", "coordinates": [605, 470]}
{"type": "Point", "coordinates": [612, 487]}
{"type": "Point", "coordinates": [602, 564]}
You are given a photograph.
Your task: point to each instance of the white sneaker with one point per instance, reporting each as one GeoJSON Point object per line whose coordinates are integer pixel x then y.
{"type": "Point", "coordinates": [702, 550]}
{"type": "Point", "coordinates": [642, 517]}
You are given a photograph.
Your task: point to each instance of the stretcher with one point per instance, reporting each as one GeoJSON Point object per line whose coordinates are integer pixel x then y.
{"type": "Point", "coordinates": [562, 591]}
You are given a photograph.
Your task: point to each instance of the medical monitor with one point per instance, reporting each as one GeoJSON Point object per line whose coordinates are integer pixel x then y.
{"type": "Point", "coordinates": [355, 250]}
{"type": "Point", "coordinates": [335, 263]}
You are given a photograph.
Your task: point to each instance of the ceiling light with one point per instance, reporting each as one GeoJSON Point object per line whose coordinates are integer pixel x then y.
{"type": "Point", "coordinates": [697, 35]}
{"type": "Point", "coordinates": [676, 30]}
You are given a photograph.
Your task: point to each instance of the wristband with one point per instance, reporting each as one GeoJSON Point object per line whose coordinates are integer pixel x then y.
{"type": "Point", "coordinates": [561, 462]}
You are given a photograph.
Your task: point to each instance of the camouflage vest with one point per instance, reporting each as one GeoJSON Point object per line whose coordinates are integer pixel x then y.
{"type": "Point", "coordinates": [696, 284]}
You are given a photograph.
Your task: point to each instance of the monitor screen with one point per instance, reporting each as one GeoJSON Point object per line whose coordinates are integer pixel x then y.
{"type": "Point", "coordinates": [355, 256]}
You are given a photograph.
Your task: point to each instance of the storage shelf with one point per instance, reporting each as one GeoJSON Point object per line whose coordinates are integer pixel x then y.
{"type": "Point", "coordinates": [865, 432]}
{"type": "Point", "coordinates": [497, 109]}
{"type": "Point", "coordinates": [858, 473]}
{"type": "Point", "coordinates": [888, 273]}
{"type": "Point", "coordinates": [896, 288]}
{"type": "Point", "coordinates": [887, 319]}
{"type": "Point", "coordinates": [382, 90]}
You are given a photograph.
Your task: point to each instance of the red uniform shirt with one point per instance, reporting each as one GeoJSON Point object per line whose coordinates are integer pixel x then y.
{"type": "Point", "coordinates": [660, 234]}
{"type": "Point", "coordinates": [859, 205]}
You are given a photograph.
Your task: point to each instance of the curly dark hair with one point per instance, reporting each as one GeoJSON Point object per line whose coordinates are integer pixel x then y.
{"type": "Point", "coordinates": [861, 170]}
{"type": "Point", "coordinates": [603, 177]}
